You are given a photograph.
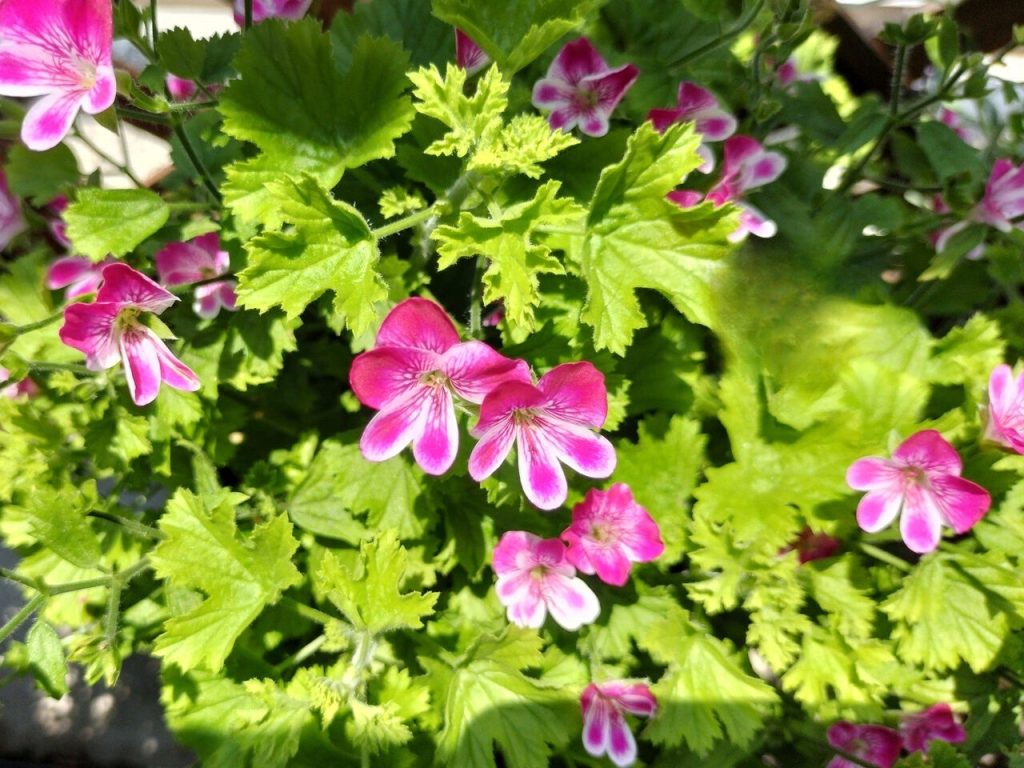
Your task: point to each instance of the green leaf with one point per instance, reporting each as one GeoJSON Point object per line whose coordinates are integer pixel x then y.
{"type": "Point", "coordinates": [40, 176]}
{"type": "Point", "coordinates": [838, 587]}
{"type": "Point", "coordinates": [968, 353]}
{"type": "Point", "coordinates": [113, 221]}
{"type": "Point", "coordinates": [46, 657]}
{"type": "Point", "coordinates": [408, 22]}
{"type": "Point", "coordinates": [510, 240]}
{"type": "Point", "coordinates": [370, 593]}
{"type": "Point", "coordinates": [328, 246]}
{"type": "Point", "coordinates": [180, 53]}
{"type": "Point", "coordinates": [947, 152]}
{"type": "Point", "coordinates": [116, 437]}
{"type": "Point", "coordinates": [637, 239]}
{"type": "Point", "coordinates": [520, 146]}
{"type": "Point", "coordinates": [939, 633]}
{"type": "Point", "coordinates": [58, 519]}
{"type": "Point", "coordinates": [514, 34]}
{"type": "Point", "coordinates": [305, 115]}
{"type": "Point", "coordinates": [470, 119]}
{"type": "Point", "coordinates": [240, 576]}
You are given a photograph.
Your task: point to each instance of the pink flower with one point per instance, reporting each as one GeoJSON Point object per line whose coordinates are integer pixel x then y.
{"type": "Point", "coordinates": [1004, 197]}
{"type": "Point", "coordinates": [815, 546]}
{"type": "Point", "coordinates": [967, 134]}
{"type": "Point", "coordinates": [1006, 409]}
{"type": "Point", "coordinates": [76, 273]}
{"type": "Point", "coordinates": [199, 259]}
{"type": "Point", "coordinates": [58, 227]}
{"type": "Point", "coordinates": [272, 9]}
{"type": "Point", "coordinates": [24, 388]}
{"type": "Point", "coordinates": [59, 50]}
{"type": "Point", "coordinates": [609, 532]}
{"type": "Point", "coordinates": [787, 73]}
{"type": "Point", "coordinates": [12, 223]}
{"type": "Point", "coordinates": [411, 375]}
{"type": "Point", "coordinates": [922, 485]}
{"type": "Point", "coordinates": [552, 422]}
{"type": "Point", "coordinates": [697, 105]}
{"type": "Point", "coordinates": [748, 165]}
{"type": "Point", "coordinates": [604, 724]}
{"type": "Point", "coordinates": [937, 723]}
{"type": "Point", "coordinates": [109, 329]}
{"type": "Point", "coordinates": [180, 89]}
{"type": "Point", "coordinates": [535, 577]}
{"type": "Point", "coordinates": [874, 744]}
{"type": "Point", "coordinates": [580, 89]}
{"type": "Point", "coordinates": [468, 54]}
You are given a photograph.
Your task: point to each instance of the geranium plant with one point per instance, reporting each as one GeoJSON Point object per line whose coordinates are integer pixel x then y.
{"type": "Point", "coordinates": [435, 406]}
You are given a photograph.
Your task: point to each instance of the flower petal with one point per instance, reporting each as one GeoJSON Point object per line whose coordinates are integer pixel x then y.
{"type": "Point", "coordinates": [576, 60]}
{"type": "Point", "coordinates": [437, 445]}
{"type": "Point", "coordinates": [395, 426]}
{"type": "Point", "coordinates": [872, 473]}
{"type": "Point", "coordinates": [67, 270]}
{"type": "Point", "coordinates": [878, 509]}
{"type": "Point", "coordinates": [184, 263]}
{"type": "Point", "coordinates": [921, 521]}
{"type": "Point", "coordinates": [102, 94]}
{"type": "Point", "coordinates": [540, 473]}
{"type": "Point", "coordinates": [173, 372]}
{"type": "Point", "coordinates": [491, 451]}
{"type": "Point", "coordinates": [621, 744]}
{"type": "Point", "coordinates": [124, 285]}
{"type": "Point", "coordinates": [141, 361]}
{"type": "Point", "coordinates": [475, 370]}
{"type": "Point", "coordinates": [576, 392]}
{"type": "Point", "coordinates": [582, 450]}
{"type": "Point", "coordinates": [571, 602]}
{"type": "Point", "coordinates": [929, 450]}
{"type": "Point", "coordinates": [89, 328]}
{"type": "Point", "coordinates": [419, 324]}
{"type": "Point", "coordinates": [962, 503]}
{"type": "Point", "coordinates": [596, 721]}
{"type": "Point", "coordinates": [549, 93]}
{"type": "Point", "coordinates": [500, 402]}
{"type": "Point", "coordinates": [684, 198]}
{"type": "Point", "coordinates": [468, 54]}
{"type": "Point", "coordinates": [380, 376]}
{"type": "Point", "coordinates": [49, 120]}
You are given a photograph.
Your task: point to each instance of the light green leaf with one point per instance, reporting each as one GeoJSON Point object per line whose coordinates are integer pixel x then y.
{"type": "Point", "coordinates": [328, 246]}
{"type": "Point", "coordinates": [46, 657]}
{"type": "Point", "coordinates": [520, 146]}
{"type": "Point", "coordinates": [837, 586]}
{"type": "Point", "coordinates": [58, 519]}
{"type": "Point", "coordinates": [471, 119]}
{"type": "Point", "coordinates": [637, 239]}
{"type": "Point", "coordinates": [370, 593]}
{"type": "Point", "coordinates": [113, 221]}
{"type": "Point", "coordinates": [305, 115]}
{"type": "Point", "coordinates": [240, 576]}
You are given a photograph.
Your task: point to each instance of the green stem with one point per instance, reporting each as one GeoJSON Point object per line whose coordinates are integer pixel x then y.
{"type": "Point", "coordinates": [248, 14]}
{"type": "Point", "coordinates": [475, 300]}
{"type": "Point", "coordinates": [897, 79]}
{"type": "Point", "coordinates": [197, 162]}
{"type": "Point", "coordinates": [880, 554]}
{"type": "Point", "coordinates": [191, 106]}
{"type": "Point", "coordinates": [152, 22]}
{"type": "Point", "coordinates": [39, 365]}
{"type": "Point", "coordinates": [29, 327]}
{"type": "Point", "coordinates": [19, 618]}
{"type": "Point", "coordinates": [25, 581]}
{"type": "Point", "coordinates": [142, 116]}
{"type": "Point", "coordinates": [113, 611]}
{"type": "Point", "coordinates": [301, 655]}
{"type": "Point", "coordinates": [738, 29]}
{"type": "Point", "coordinates": [309, 612]}
{"type": "Point", "coordinates": [131, 526]}
{"type": "Point", "coordinates": [406, 222]}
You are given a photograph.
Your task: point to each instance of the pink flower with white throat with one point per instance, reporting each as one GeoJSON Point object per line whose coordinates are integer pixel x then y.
{"type": "Point", "coordinates": [468, 54]}
{"type": "Point", "coordinates": [937, 723]}
{"type": "Point", "coordinates": [605, 729]}
{"type": "Point", "coordinates": [1004, 197]}
{"type": "Point", "coordinates": [79, 275]}
{"type": "Point", "coordinates": [1006, 409]}
{"type": "Point", "coordinates": [873, 744]}
{"type": "Point", "coordinates": [552, 423]}
{"type": "Point", "coordinates": [272, 9]}
{"type": "Point", "coordinates": [199, 259]}
{"type": "Point", "coordinates": [922, 485]}
{"type": "Point", "coordinates": [58, 50]}
{"type": "Point", "coordinates": [12, 223]}
{"type": "Point", "coordinates": [109, 329]}
{"type": "Point", "coordinates": [699, 106]}
{"type": "Point", "coordinates": [416, 368]}
{"type": "Point", "coordinates": [581, 90]}
{"type": "Point", "coordinates": [535, 578]}
{"type": "Point", "coordinates": [610, 532]}
{"type": "Point", "coordinates": [24, 388]}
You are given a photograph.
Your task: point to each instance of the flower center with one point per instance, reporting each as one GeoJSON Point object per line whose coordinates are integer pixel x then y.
{"type": "Point", "coordinates": [127, 318]}
{"type": "Point", "coordinates": [523, 416]}
{"type": "Point", "coordinates": [587, 99]}
{"type": "Point", "coordinates": [538, 572]}
{"type": "Point", "coordinates": [600, 534]}
{"type": "Point", "coordinates": [434, 379]}
{"type": "Point", "coordinates": [86, 72]}
{"type": "Point", "coordinates": [913, 475]}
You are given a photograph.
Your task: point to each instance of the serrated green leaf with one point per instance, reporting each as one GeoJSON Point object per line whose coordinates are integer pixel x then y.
{"type": "Point", "coordinates": [240, 576]}
{"type": "Point", "coordinates": [46, 657]}
{"type": "Point", "coordinates": [470, 119]}
{"type": "Point", "coordinates": [180, 53]}
{"type": "Point", "coordinates": [305, 115]}
{"type": "Point", "coordinates": [408, 22]}
{"type": "Point", "coordinates": [40, 176]}
{"type": "Point", "coordinates": [520, 146]}
{"type": "Point", "coordinates": [58, 519]}
{"type": "Point", "coordinates": [329, 246]}
{"type": "Point", "coordinates": [637, 239]}
{"type": "Point", "coordinates": [113, 221]}
{"type": "Point", "coordinates": [370, 593]}
{"type": "Point", "coordinates": [837, 586]}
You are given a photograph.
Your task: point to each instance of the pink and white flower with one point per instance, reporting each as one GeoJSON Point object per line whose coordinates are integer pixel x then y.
{"type": "Point", "coordinates": [78, 274]}
{"type": "Point", "coordinates": [272, 9]}
{"type": "Point", "coordinates": [697, 105]}
{"type": "Point", "coordinates": [109, 329]}
{"type": "Point", "coordinates": [581, 90]}
{"type": "Point", "coordinates": [1000, 207]}
{"type": "Point", "coordinates": [199, 259]}
{"type": "Point", "coordinates": [937, 723]}
{"type": "Point", "coordinates": [468, 55]}
{"type": "Point", "coordinates": [922, 485]}
{"type": "Point", "coordinates": [551, 422]}
{"type": "Point", "coordinates": [24, 388]}
{"type": "Point", "coordinates": [535, 578]}
{"type": "Point", "coordinates": [58, 50]}
{"type": "Point", "coordinates": [179, 88]}
{"type": "Point", "coordinates": [874, 744]}
{"type": "Point", "coordinates": [748, 165]}
{"type": "Point", "coordinates": [1006, 409]}
{"type": "Point", "coordinates": [605, 729]}
{"type": "Point", "coordinates": [12, 223]}
{"type": "Point", "coordinates": [412, 374]}
{"type": "Point", "coordinates": [610, 532]}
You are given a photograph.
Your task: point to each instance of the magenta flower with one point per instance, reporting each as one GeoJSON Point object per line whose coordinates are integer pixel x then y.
{"type": "Point", "coordinates": [199, 259]}
{"type": "Point", "coordinates": [179, 88]}
{"type": "Point", "coordinates": [921, 485]}
{"type": "Point", "coordinates": [272, 9]}
{"type": "Point", "coordinates": [697, 105]}
{"type": "Point", "coordinates": [552, 422]}
{"type": "Point", "coordinates": [78, 274]}
{"type": "Point", "coordinates": [1004, 197]}
{"type": "Point", "coordinates": [411, 375]}
{"type": "Point", "coordinates": [12, 223]}
{"type": "Point", "coordinates": [58, 227]}
{"type": "Point", "coordinates": [814, 546]}
{"type": "Point", "coordinates": [109, 329]}
{"type": "Point", "coordinates": [534, 577]}
{"type": "Point", "coordinates": [468, 54]}
{"type": "Point", "coordinates": [937, 723]}
{"type": "Point", "coordinates": [610, 532]}
{"type": "Point", "coordinates": [24, 388]}
{"type": "Point", "coordinates": [748, 165]}
{"type": "Point", "coordinates": [604, 724]}
{"type": "Point", "coordinates": [874, 744]}
{"type": "Point", "coordinates": [1006, 409]}
{"type": "Point", "coordinates": [59, 50]}
{"type": "Point", "coordinates": [580, 89]}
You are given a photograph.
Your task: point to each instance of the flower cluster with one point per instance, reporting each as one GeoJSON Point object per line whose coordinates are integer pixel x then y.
{"type": "Point", "coordinates": [699, 106]}
{"type": "Point", "coordinates": [200, 259]}
{"type": "Point", "coordinates": [881, 746]}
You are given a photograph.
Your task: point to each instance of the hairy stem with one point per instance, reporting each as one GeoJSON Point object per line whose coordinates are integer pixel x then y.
{"type": "Point", "coordinates": [19, 618]}
{"type": "Point", "coordinates": [406, 222]}
{"type": "Point", "coordinates": [880, 554]}
{"type": "Point", "coordinates": [193, 157]}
